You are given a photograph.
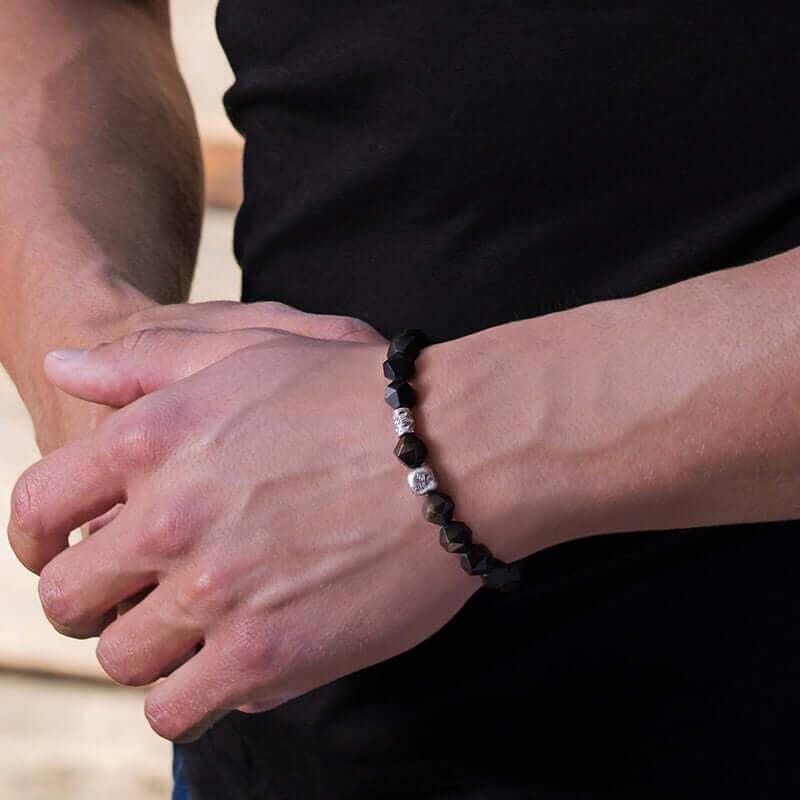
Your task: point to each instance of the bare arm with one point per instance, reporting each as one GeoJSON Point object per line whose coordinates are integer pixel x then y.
{"type": "Point", "coordinates": [100, 197]}
{"type": "Point", "coordinates": [676, 408]}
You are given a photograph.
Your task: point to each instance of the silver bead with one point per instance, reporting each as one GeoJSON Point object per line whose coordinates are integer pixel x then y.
{"type": "Point", "coordinates": [422, 480]}
{"type": "Point", "coordinates": [403, 421]}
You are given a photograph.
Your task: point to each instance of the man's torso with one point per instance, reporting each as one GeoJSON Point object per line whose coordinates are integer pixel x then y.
{"type": "Point", "coordinates": [452, 166]}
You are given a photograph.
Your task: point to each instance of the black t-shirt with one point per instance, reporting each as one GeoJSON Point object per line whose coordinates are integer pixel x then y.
{"type": "Point", "coordinates": [453, 166]}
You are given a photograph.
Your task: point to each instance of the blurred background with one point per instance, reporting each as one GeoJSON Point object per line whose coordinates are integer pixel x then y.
{"type": "Point", "coordinates": [66, 732]}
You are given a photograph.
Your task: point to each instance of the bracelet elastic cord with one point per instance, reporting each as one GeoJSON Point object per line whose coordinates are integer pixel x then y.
{"type": "Point", "coordinates": [438, 508]}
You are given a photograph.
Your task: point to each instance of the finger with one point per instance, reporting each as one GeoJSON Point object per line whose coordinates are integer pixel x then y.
{"type": "Point", "coordinates": [187, 703]}
{"type": "Point", "coordinates": [94, 525]}
{"type": "Point", "coordinates": [127, 604]}
{"type": "Point", "coordinates": [119, 372]}
{"type": "Point", "coordinates": [147, 642]}
{"type": "Point", "coordinates": [80, 588]}
{"type": "Point", "coordinates": [229, 315]}
{"type": "Point", "coordinates": [61, 492]}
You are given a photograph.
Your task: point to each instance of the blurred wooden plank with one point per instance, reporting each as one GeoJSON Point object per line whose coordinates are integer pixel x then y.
{"type": "Point", "coordinates": [223, 167]}
{"type": "Point", "coordinates": [203, 66]}
{"type": "Point", "coordinates": [53, 665]}
{"type": "Point", "coordinates": [62, 741]}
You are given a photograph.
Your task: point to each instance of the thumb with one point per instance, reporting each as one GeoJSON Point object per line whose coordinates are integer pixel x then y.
{"type": "Point", "coordinates": [117, 373]}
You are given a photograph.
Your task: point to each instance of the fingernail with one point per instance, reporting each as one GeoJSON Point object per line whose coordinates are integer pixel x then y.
{"type": "Point", "coordinates": [68, 354]}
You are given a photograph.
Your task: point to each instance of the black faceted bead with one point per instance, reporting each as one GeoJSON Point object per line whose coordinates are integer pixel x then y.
{"type": "Point", "coordinates": [502, 577]}
{"type": "Point", "coordinates": [408, 343]}
{"type": "Point", "coordinates": [438, 508]}
{"type": "Point", "coordinates": [398, 367]}
{"type": "Point", "coordinates": [400, 394]}
{"type": "Point", "coordinates": [476, 560]}
{"type": "Point", "coordinates": [455, 537]}
{"type": "Point", "coordinates": [411, 450]}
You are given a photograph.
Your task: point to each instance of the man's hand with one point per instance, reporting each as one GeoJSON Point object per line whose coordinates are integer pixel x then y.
{"type": "Point", "coordinates": [59, 418]}
{"type": "Point", "coordinates": [262, 507]}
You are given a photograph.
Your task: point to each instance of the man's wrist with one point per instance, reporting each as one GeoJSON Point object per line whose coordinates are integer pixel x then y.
{"type": "Point", "coordinates": [467, 418]}
{"type": "Point", "coordinates": [505, 414]}
{"type": "Point", "coordinates": [623, 415]}
{"type": "Point", "coordinates": [78, 319]}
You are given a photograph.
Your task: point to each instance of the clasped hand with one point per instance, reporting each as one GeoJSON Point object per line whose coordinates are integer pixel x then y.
{"type": "Point", "coordinates": [260, 515]}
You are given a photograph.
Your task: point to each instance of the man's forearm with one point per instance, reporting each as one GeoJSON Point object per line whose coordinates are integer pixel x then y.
{"type": "Point", "coordinates": [100, 202]}
{"type": "Point", "coordinates": [677, 408]}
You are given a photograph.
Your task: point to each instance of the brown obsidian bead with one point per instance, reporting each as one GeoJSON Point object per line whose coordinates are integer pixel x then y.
{"type": "Point", "coordinates": [502, 577]}
{"type": "Point", "coordinates": [476, 560]}
{"type": "Point", "coordinates": [411, 450]}
{"type": "Point", "coordinates": [400, 394]}
{"type": "Point", "coordinates": [455, 537]}
{"type": "Point", "coordinates": [408, 343]}
{"type": "Point", "coordinates": [398, 367]}
{"type": "Point", "coordinates": [438, 508]}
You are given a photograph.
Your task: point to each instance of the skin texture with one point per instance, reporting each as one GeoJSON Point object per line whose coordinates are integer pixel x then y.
{"type": "Point", "coordinates": [100, 198]}
{"type": "Point", "coordinates": [245, 487]}
{"type": "Point", "coordinates": [326, 504]}
{"type": "Point", "coordinates": [676, 408]}
{"type": "Point", "coordinates": [100, 202]}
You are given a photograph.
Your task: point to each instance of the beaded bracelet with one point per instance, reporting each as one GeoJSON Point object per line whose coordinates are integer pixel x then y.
{"type": "Point", "coordinates": [455, 537]}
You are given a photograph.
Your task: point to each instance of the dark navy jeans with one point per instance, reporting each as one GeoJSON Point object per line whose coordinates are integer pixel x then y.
{"type": "Point", "coordinates": [180, 790]}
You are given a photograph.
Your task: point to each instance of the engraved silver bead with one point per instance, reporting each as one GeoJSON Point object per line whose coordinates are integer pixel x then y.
{"type": "Point", "coordinates": [403, 421]}
{"type": "Point", "coordinates": [422, 480]}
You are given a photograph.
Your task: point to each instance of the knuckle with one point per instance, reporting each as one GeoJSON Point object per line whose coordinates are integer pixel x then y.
{"type": "Point", "coordinates": [146, 343]}
{"type": "Point", "coordinates": [252, 651]}
{"type": "Point", "coordinates": [25, 505]}
{"type": "Point", "coordinates": [345, 328]}
{"type": "Point", "coordinates": [162, 719]}
{"type": "Point", "coordinates": [139, 340]}
{"type": "Point", "coordinates": [167, 532]}
{"type": "Point", "coordinates": [56, 600]}
{"type": "Point", "coordinates": [118, 664]}
{"type": "Point", "coordinates": [136, 443]}
{"type": "Point", "coordinates": [108, 655]}
{"type": "Point", "coordinates": [202, 591]}
{"type": "Point", "coordinates": [275, 307]}
{"type": "Point", "coordinates": [141, 439]}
